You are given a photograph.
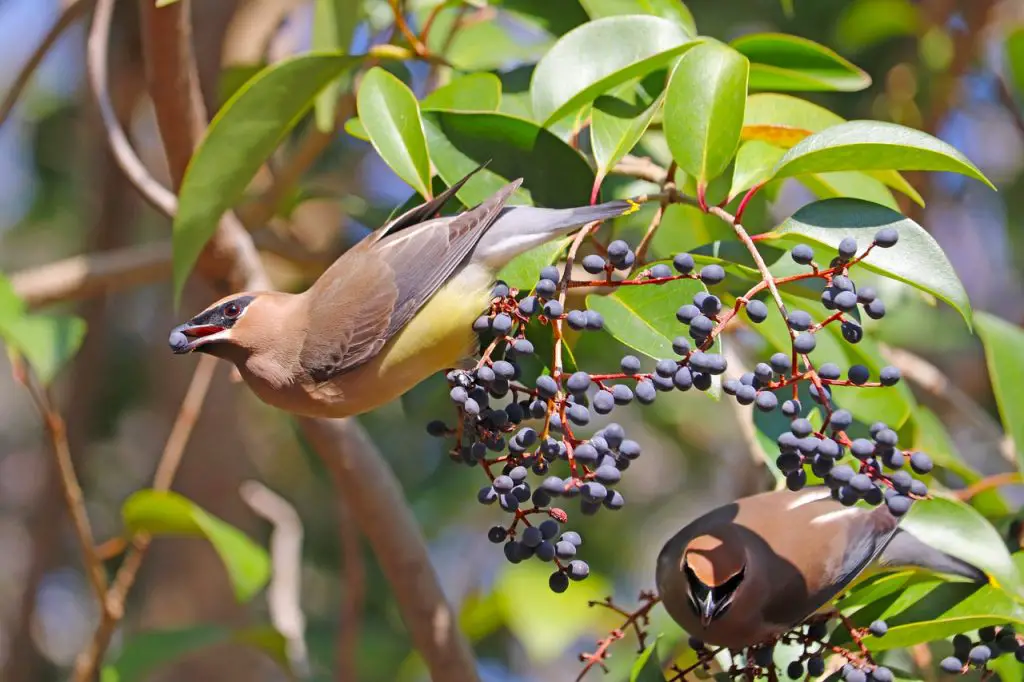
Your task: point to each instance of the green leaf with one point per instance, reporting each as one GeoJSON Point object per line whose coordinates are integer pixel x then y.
{"type": "Point", "coordinates": [1015, 59]}
{"type": "Point", "coordinates": [849, 184]}
{"type": "Point", "coordinates": [242, 135]}
{"type": "Point", "coordinates": [472, 92]}
{"type": "Point", "coordinates": [874, 145]}
{"type": "Point", "coordinates": [754, 163]}
{"type": "Point", "coordinates": [46, 342]}
{"type": "Point", "coordinates": [785, 62]}
{"type": "Point", "coordinates": [917, 259]}
{"type": "Point", "coordinates": [644, 317]}
{"type": "Point", "coordinates": [685, 227]}
{"type": "Point", "coordinates": [960, 531]}
{"type": "Point", "coordinates": [164, 3]}
{"type": "Point", "coordinates": [334, 22]}
{"type": "Point", "coordinates": [167, 513]}
{"type": "Point", "coordinates": [1003, 342]}
{"type": "Point", "coordinates": [483, 45]}
{"type": "Point", "coordinates": [646, 668]}
{"type": "Point", "coordinates": [616, 126]}
{"type": "Point", "coordinates": [391, 116]}
{"type": "Point", "coordinates": [521, 271]}
{"type": "Point", "coordinates": [674, 10]}
{"type": "Point", "coordinates": [555, 174]}
{"type": "Point", "coordinates": [704, 109]}
{"type": "Point", "coordinates": [593, 58]}
{"type": "Point", "coordinates": [865, 23]}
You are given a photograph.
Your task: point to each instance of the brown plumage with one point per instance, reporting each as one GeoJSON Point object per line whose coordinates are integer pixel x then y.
{"type": "Point", "coordinates": [748, 571]}
{"type": "Point", "coordinates": [392, 310]}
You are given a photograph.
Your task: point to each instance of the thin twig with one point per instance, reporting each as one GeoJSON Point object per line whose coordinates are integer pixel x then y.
{"type": "Point", "coordinates": [68, 16]}
{"type": "Point", "coordinates": [191, 407]}
{"type": "Point", "coordinates": [988, 483]}
{"type": "Point", "coordinates": [641, 168]}
{"type": "Point", "coordinates": [666, 187]}
{"type": "Point", "coordinates": [285, 589]}
{"type": "Point", "coordinates": [72, 489]}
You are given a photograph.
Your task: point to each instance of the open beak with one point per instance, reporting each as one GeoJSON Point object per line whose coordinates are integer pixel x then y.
{"type": "Point", "coordinates": [185, 338]}
{"type": "Point", "coordinates": [707, 609]}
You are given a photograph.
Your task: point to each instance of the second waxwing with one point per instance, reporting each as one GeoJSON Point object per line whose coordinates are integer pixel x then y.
{"type": "Point", "coordinates": [747, 572]}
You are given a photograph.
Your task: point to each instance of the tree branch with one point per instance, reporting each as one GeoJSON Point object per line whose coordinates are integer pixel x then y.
{"type": "Point", "coordinates": [366, 482]}
{"type": "Point", "coordinates": [71, 13]}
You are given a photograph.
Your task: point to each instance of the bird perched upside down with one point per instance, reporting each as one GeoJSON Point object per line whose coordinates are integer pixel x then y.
{"type": "Point", "coordinates": [747, 572]}
{"type": "Point", "coordinates": [392, 310]}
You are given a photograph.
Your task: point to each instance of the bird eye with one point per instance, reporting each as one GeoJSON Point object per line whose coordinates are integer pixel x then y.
{"type": "Point", "coordinates": [232, 310]}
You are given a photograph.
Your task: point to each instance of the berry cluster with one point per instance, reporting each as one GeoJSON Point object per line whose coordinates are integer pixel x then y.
{"type": "Point", "coordinates": [993, 642]}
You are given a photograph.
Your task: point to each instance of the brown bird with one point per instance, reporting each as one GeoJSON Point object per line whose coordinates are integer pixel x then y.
{"type": "Point", "coordinates": [392, 310]}
{"type": "Point", "coordinates": [749, 571]}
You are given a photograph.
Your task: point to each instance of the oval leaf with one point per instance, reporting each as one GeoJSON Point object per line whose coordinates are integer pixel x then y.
{"type": "Point", "coordinates": [239, 140]}
{"type": "Point", "coordinates": [704, 109]}
{"type": "Point", "coordinates": [960, 531]}
{"type": "Point", "coordinates": [785, 62]}
{"type": "Point", "coordinates": [473, 92]}
{"type": "Point", "coordinates": [644, 317]}
{"type": "Point", "coordinates": [1003, 342]}
{"type": "Point", "coordinates": [46, 342]}
{"type": "Point", "coordinates": [591, 59]}
{"type": "Point", "coordinates": [616, 126]}
{"type": "Point", "coordinates": [521, 271]}
{"type": "Point", "coordinates": [646, 667]}
{"type": "Point", "coordinates": [555, 174]}
{"type": "Point", "coordinates": [167, 513]}
{"type": "Point", "coordinates": [334, 22]}
{"type": "Point", "coordinates": [874, 145]}
{"type": "Point", "coordinates": [917, 259]}
{"type": "Point", "coordinates": [391, 117]}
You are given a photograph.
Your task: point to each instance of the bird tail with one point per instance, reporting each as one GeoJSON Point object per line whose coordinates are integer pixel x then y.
{"type": "Point", "coordinates": [521, 228]}
{"type": "Point", "coordinates": [905, 550]}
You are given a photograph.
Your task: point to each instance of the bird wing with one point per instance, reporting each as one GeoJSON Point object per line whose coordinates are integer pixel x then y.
{"type": "Point", "coordinates": [425, 211]}
{"type": "Point", "coordinates": [375, 288]}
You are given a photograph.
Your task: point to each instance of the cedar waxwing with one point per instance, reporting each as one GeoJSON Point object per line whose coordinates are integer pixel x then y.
{"type": "Point", "coordinates": [392, 310]}
{"type": "Point", "coordinates": [749, 571]}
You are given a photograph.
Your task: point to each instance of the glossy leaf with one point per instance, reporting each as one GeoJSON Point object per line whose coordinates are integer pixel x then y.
{"type": "Point", "coordinates": [786, 62]}
{"type": "Point", "coordinates": [684, 228]}
{"type": "Point", "coordinates": [754, 163]}
{"type": "Point", "coordinates": [472, 92]}
{"type": "Point", "coordinates": [391, 116]}
{"type": "Point", "coordinates": [1004, 354]}
{"type": "Point", "coordinates": [334, 22]}
{"type": "Point", "coordinates": [555, 175]}
{"type": "Point", "coordinates": [241, 137]}
{"type": "Point", "coordinates": [960, 531]}
{"type": "Point", "coordinates": [850, 184]}
{"type": "Point", "coordinates": [646, 667]}
{"type": "Point", "coordinates": [917, 259]}
{"type": "Point", "coordinates": [874, 145]}
{"type": "Point", "coordinates": [704, 107]}
{"type": "Point", "coordinates": [167, 513]}
{"type": "Point", "coordinates": [644, 317]}
{"type": "Point", "coordinates": [575, 71]}
{"type": "Point", "coordinates": [616, 126]}
{"type": "Point", "coordinates": [674, 10]}
{"type": "Point", "coordinates": [483, 45]}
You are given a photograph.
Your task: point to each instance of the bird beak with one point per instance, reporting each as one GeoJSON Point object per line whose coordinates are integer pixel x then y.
{"type": "Point", "coordinates": [707, 608]}
{"type": "Point", "coordinates": [185, 338]}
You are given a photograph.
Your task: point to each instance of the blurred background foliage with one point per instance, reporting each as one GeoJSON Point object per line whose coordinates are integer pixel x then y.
{"type": "Point", "coordinates": [950, 67]}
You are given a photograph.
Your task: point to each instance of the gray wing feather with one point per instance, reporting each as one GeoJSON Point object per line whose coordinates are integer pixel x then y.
{"type": "Point", "coordinates": [907, 550]}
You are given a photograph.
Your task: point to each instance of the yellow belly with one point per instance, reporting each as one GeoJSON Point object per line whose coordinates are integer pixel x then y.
{"type": "Point", "coordinates": [438, 337]}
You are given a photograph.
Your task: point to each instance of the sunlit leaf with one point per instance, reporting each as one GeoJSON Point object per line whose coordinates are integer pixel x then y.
{"type": "Point", "coordinates": [472, 92]}
{"type": "Point", "coordinates": [874, 145]}
{"type": "Point", "coordinates": [47, 342]}
{"type": "Point", "coordinates": [334, 22]}
{"type": "Point", "coordinates": [704, 109]}
{"type": "Point", "coordinates": [865, 23]}
{"type": "Point", "coordinates": [390, 115]}
{"type": "Point", "coordinates": [786, 62]}
{"type": "Point", "coordinates": [646, 668]}
{"type": "Point", "coordinates": [1004, 354]}
{"type": "Point", "coordinates": [166, 513]}
{"type": "Point", "coordinates": [754, 163]}
{"type": "Point", "coordinates": [917, 259]}
{"type": "Point", "coordinates": [574, 73]}
{"type": "Point", "coordinates": [241, 137]}
{"type": "Point", "coordinates": [617, 125]}
{"type": "Point", "coordinates": [521, 272]}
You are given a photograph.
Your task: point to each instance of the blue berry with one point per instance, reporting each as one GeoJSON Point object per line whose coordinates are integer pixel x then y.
{"type": "Point", "coordinates": [886, 237]}
{"type": "Point", "coordinates": [802, 254]}
{"type": "Point", "coordinates": [847, 248]}
{"type": "Point", "coordinates": [630, 364]}
{"type": "Point", "coordinates": [712, 274]}
{"type": "Point", "coordinates": [804, 343]}
{"type": "Point", "coordinates": [683, 263]}
{"type": "Point", "coordinates": [757, 311]}
{"type": "Point", "coordinates": [594, 264]}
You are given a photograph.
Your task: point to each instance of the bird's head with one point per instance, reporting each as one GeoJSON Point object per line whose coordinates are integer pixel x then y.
{"type": "Point", "coordinates": [236, 324]}
{"type": "Point", "coordinates": [714, 564]}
